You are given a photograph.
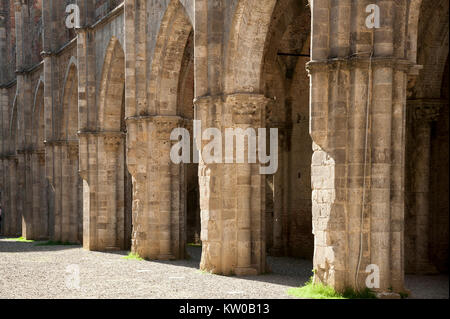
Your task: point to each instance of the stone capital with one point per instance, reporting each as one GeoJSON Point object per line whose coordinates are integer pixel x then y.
{"type": "Point", "coordinates": [165, 124]}
{"type": "Point", "coordinates": [72, 150]}
{"type": "Point", "coordinates": [247, 108]}
{"type": "Point", "coordinates": [242, 109]}
{"type": "Point", "coordinates": [361, 61]}
{"type": "Point", "coordinates": [112, 142]}
{"type": "Point", "coordinates": [426, 111]}
{"type": "Point", "coordinates": [208, 109]}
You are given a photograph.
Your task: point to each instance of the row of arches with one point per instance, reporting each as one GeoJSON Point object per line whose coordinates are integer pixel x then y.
{"type": "Point", "coordinates": [113, 186]}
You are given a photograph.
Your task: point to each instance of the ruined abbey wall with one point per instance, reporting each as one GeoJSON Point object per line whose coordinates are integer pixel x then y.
{"type": "Point", "coordinates": [86, 116]}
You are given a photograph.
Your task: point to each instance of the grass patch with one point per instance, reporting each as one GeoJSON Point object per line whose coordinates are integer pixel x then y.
{"type": "Point", "coordinates": [320, 291]}
{"type": "Point", "coordinates": [133, 256]}
{"type": "Point", "coordinates": [21, 240]}
{"type": "Point", "coordinates": [404, 295]}
{"type": "Point", "coordinates": [56, 243]}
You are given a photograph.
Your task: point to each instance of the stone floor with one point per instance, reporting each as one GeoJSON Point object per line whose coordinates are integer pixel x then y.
{"type": "Point", "coordinates": [29, 271]}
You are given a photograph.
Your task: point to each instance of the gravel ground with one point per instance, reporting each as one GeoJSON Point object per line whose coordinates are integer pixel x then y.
{"type": "Point", "coordinates": [29, 271]}
{"type": "Point", "coordinates": [427, 287]}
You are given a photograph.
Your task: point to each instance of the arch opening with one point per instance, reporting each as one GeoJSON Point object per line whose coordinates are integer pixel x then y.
{"type": "Point", "coordinates": [288, 214]}
{"type": "Point", "coordinates": [426, 194]}
{"type": "Point", "coordinates": [66, 219]}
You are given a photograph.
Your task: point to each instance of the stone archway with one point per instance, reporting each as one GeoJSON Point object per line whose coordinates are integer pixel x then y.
{"type": "Point", "coordinates": [234, 197]}
{"type": "Point", "coordinates": [426, 215]}
{"type": "Point", "coordinates": [159, 187]}
{"type": "Point", "coordinates": [107, 204]}
{"type": "Point", "coordinates": [186, 111]}
{"type": "Point", "coordinates": [65, 224]}
{"type": "Point", "coordinates": [285, 82]}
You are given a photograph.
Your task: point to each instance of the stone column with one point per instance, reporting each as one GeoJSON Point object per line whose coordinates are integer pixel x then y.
{"type": "Point", "coordinates": [113, 187]}
{"type": "Point", "coordinates": [57, 186]}
{"type": "Point", "coordinates": [358, 85]}
{"type": "Point", "coordinates": [36, 219]}
{"type": "Point", "coordinates": [73, 192]}
{"type": "Point", "coordinates": [424, 113]}
{"type": "Point", "coordinates": [158, 214]}
{"type": "Point", "coordinates": [101, 168]}
{"type": "Point", "coordinates": [13, 219]}
{"type": "Point", "coordinates": [357, 169]}
{"type": "Point", "coordinates": [232, 194]}
{"type": "Point", "coordinates": [64, 223]}
{"type": "Point", "coordinates": [21, 190]}
{"type": "Point", "coordinates": [40, 196]}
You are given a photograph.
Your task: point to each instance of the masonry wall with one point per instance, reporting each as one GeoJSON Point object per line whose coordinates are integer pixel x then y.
{"type": "Point", "coordinates": [107, 95]}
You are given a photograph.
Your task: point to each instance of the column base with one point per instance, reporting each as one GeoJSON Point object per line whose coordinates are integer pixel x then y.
{"type": "Point", "coordinates": [388, 295]}
{"type": "Point", "coordinates": [245, 271]}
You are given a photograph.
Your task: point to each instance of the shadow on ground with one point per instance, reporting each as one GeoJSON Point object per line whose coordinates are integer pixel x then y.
{"type": "Point", "coordinates": [12, 246]}
{"type": "Point", "coordinates": [285, 271]}
{"type": "Point", "coordinates": [289, 272]}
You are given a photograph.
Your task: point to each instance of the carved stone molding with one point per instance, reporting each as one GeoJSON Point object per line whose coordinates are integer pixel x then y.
{"type": "Point", "coordinates": [165, 124]}
{"type": "Point", "coordinates": [247, 108]}
{"type": "Point", "coordinates": [60, 142]}
{"type": "Point", "coordinates": [426, 111]}
{"type": "Point", "coordinates": [26, 151]}
{"type": "Point", "coordinates": [112, 142]}
{"type": "Point", "coordinates": [73, 151]}
{"type": "Point", "coordinates": [208, 109]}
{"type": "Point", "coordinates": [361, 61]}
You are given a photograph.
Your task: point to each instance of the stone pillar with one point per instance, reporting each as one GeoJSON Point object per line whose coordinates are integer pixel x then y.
{"type": "Point", "coordinates": [358, 112]}
{"type": "Point", "coordinates": [113, 187]}
{"type": "Point", "coordinates": [20, 193]}
{"type": "Point", "coordinates": [232, 195]}
{"type": "Point", "coordinates": [102, 169]}
{"type": "Point", "coordinates": [357, 169]}
{"type": "Point", "coordinates": [13, 220]}
{"type": "Point", "coordinates": [424, 113]}
{"type": "Point", "coordinates": [158, 211]}
{"type": "Point", "coordinates": [73, 194]}
{"type": "Point", "coordinates": [40, 196]}
{"type": "Point", "coordinates": [35, 216]}
{"type": "Point", "coordinates": [65, 224]}
{"type": "Point", "coordinates": [56, 231]}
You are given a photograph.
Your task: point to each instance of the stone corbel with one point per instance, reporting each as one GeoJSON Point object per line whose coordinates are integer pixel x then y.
{"type": "Point", "coordinates": [426, 111]}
